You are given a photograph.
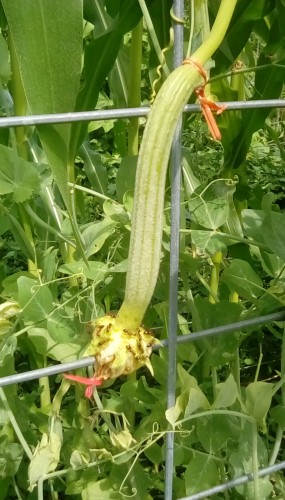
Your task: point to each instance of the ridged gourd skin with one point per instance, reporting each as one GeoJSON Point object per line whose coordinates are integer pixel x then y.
{"type": "Point", "coordinates": [147, 217]}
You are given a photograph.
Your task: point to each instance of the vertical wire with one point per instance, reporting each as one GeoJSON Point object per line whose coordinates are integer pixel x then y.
{"type": "Point", "coordinates": [178, 10]}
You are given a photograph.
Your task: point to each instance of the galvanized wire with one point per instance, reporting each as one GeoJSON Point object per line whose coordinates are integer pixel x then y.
{"type": "Point", "coordinates": [235, 482]}
{"type": "Point", "coordinates": [113, 114]}
{"type": "Point", "coordinates": [18, 378]}
{"type": "Point", "coordinates": [176, 159]}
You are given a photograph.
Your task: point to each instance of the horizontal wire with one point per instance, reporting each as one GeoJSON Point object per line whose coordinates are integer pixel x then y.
{"type": "Point", "coordinates": [111, 114]}
{"type": "Point", "coordinates": [231, 327]}
{"type": "Point", "coordinates": [191, 337]}
{"type": "Point", "coordinates": [235, 482]}
{"type": "Point", "coordinates": [46, 372]}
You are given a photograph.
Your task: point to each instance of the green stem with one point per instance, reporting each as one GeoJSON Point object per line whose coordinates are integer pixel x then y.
{"type": "Point", "coordinates": [279, 432]}
{"type": "Point", "coordinates": [217, 260]}
{"type": "Point", "coordinates": [26, 224]}
{"type": "Point", "coordinates": [255, 462]}
{"type": "Point", "coordinates": [153, 37]}
{"type": "Point", "coordinates": [45, 394]}
{"type": "Point", "coordinates": [134, 97]}
{"type": "Point", "coordinates": [15, 425]}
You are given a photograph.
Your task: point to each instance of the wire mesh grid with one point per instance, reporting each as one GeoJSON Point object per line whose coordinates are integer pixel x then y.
{"type": "Point", "coordinates": [173, 340]}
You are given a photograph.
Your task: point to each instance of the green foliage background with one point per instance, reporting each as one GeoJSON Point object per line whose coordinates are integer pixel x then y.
{"type": "Point", "coordinates": [66, 197]}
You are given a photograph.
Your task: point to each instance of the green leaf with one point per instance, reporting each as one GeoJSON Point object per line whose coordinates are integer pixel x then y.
{"type": "Point", "coordinates": [95, 235]}
{"type": "Point", "coordinates": [17, 176]}
{"type": "Point", "coordinates": [49, 52]}
{"type": "Point", "coordinates": [5, 70]}
{"type": "Point", "coordinates": [101, 490]}
{"type": "Point", "coordinates": [97, 174]}
{"type": "Point", "coordinates": [46, 455]}
{"type": "Point", "coordinates": [272, 234]}
{"type": "Point", "coordinates": [62, 345]}
{"type": "Point", "coordinates": [191, 183]}
{"type": "Point", "coordinates": [258, 400]}
{"type": "Point", "coordinates": [7, 351]}
{"type": "Point", "coordinates": [241, 278]}
{"type": "Point", "coordinates": [154, 453]}
{"type": "Point", "coordinates": [103, 50]}
{"type": "Point", "coordinates": [215, 432]}
{"type": "Point", "coordinates": [35, 300]}
{"type": "Point", "coordinates": [209, 206]}
{"type": "Point", "coordinates": [220, 348]}
{"type": "Point", "coordinates": [125, 180]}
{"type": "Point", "coordinates": [11, 455]}
{"type": "Point", "coordinates": [20, 237]}
{"type": "Point", "coordinates": [201, 473]}
{"type": "Point", "coordinates": [277, 414]}
{"type": "Point", "coordinates": [227, 393]}
{"type": "Point", "coordinates": [95, 270]}
{"type": "Point", "coordinates": [241, 462]}
{"type": "Point", "coordinates": [209, 241]}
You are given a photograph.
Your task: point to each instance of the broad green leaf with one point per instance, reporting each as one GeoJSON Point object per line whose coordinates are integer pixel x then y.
{"type": "Point", "coordinates": [17, 176]}
{"type": "Point", "coordinates": [46, 455]}
{"type": "Point", "coordinates": [103, 50]}
{"type": "Point", "coordinates": [245, 15]}
{"type": "Point", "coordinates": [35, 300]}
{"type": "Point", "coordinates": [209, 206]}
{"type": "Point", "coordinates": [102, 490]}
{"type": "Point", "coordinates": [209, 241]}
{"type": "Point", "coordinates": [116, 212]}
{"type": "Point", "coordinates": [258, 400]}
{"type": "Point", "coordinates": [252, 222]}
{"type": "Point", "coordinates": [272, 233]}
{"type": "Point", "coordinates": [277, 414]}
{"type": "Point", "coordinates": [11, 455]}
{"type": "Point", "coordinates": [201, 473]}
{"type": "Point", "coordinates": [20, 237]}
{"type": "Point", "coordinates": [125, 180]}
{"type": "Point", "coordinates": [217, 431]}
{"type": "Point", "coordinates": [122, 440]}
{"type": "Point", "coordinates": [8, 309]}
{"type": "Point", "coordinates": [227, 393]}
{"type": "Point", "coordinates": [220, 348]}
{"type": "Point", "coordinates": [95, 270]}
{"type": "Point", "coordinates": [7, 351]}
{"type": "Point", "coordinates": [5, 70]}
{"type": "Point", "coordinates": [95, 235]}
{"type": "Point", "coordinates": [241, 462]}
{"type": "Point", "coordinates": [197, 401]}
{"type": "Point", "coordinates": [49, 52]}
{"type": "Point", "coordinates": [95, 171]}
{"type": "Point", "coordinates": [62, 347]}
{"type": "Point", "coordinates": [154, 453]}
{"type": "Point", "coordinates": [241, 278]}
{"type": "Point", "coordinates": [191, 182]}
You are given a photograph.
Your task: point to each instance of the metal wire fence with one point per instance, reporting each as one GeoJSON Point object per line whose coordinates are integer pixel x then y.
{"type": "Point", "coordinates": [172, 340]}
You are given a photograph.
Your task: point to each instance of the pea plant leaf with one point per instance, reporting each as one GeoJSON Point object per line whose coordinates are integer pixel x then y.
{"type": "Point", "coordinates": [272, 234]}
{"type": "Point", "coordinates": [209, 206]}
{"type": "Point", "coordinates": [241, 278]}
{"type": "Point", "coordinates": [17, 176]}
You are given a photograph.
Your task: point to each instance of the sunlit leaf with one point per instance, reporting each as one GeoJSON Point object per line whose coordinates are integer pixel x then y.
{"type": "Point", "coordinates": [17, 176]}
{"type": "Point", "coordinates": [46, 455]}
{"type": "Point", "coordinates": [201, 473]}
{"type": "Point", "coordinates": [241, 278]}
